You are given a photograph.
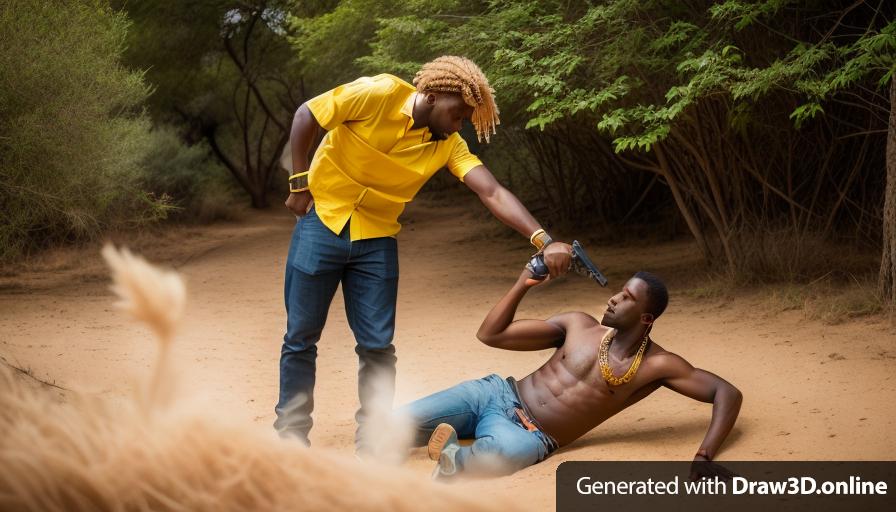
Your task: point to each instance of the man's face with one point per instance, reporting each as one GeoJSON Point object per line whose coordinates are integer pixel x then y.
{"type": "Point", "coordinates": [448, 112]}
{"type": "Point", "coordinates": [625, 309]}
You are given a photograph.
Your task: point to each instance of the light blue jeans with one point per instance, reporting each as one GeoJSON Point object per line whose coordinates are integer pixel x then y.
{"type": "Point", "coordinates": [483, 409]}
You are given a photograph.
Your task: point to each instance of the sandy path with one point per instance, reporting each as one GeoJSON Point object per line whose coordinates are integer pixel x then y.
{"type": "Point", "coordinates": [811, 391]}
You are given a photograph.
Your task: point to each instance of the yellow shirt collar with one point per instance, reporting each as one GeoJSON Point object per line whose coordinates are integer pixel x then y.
{"type": "Point", "coordinates": [408, 109]}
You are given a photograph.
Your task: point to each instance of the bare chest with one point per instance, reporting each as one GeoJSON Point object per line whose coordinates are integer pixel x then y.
{"type": "Point", "coordinates": [578, 370]}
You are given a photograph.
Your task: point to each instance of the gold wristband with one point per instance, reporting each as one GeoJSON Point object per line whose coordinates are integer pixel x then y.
{"type": "Point", "coordinates": [540, 239]}
{"type": "Point", "coordinates": [298, 182]}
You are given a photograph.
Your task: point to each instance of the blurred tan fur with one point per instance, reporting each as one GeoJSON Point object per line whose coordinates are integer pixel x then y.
{"type": "Point", "coordinates": [90, 453]}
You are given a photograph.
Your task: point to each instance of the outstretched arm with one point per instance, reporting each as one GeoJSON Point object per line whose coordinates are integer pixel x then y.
{"type": "Point", "coordinates": [509, 210]}
{"type": "Point", "coordinates": [500, 330]}
{"type": "Point", "coordinates": [706, 387]}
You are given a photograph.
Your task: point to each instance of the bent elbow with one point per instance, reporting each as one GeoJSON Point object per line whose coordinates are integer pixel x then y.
{"type": "Point", "coordinates": [486, 339]}
{"type": "Point", "coordinates": [735, 392]}
{"type": "Point", "coordinates": [735, 395]}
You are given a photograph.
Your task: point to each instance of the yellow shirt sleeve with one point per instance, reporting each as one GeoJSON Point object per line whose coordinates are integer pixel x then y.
{"type": "Point", "coordinates": [461, 161]}
{"type": "Point", "coordinates": [354, 101]}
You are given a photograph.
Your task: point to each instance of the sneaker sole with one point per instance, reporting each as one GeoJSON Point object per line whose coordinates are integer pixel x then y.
{"type": "Point", "coordinates": [438, 439]}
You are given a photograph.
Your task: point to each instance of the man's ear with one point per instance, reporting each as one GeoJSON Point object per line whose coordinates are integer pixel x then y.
{"type": "Point", "coordinates": [647, 318]}
{"type": "Point", "coordinates": [430, 99]}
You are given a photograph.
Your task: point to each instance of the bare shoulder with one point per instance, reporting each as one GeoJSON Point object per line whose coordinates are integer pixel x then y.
{"type": "Point", "coordinates": [666, 364]}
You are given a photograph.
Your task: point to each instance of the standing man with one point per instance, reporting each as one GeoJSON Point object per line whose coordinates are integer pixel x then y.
{"type": "Point", "coordinates": [385, 138]}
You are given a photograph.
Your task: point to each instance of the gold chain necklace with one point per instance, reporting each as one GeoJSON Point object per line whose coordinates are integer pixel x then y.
{"type": "Point", "coordinates": [603, 358]}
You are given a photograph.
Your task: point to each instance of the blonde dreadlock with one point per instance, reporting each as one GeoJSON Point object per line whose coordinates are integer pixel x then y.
{"type": "Point", "coordinates": [460, 75]}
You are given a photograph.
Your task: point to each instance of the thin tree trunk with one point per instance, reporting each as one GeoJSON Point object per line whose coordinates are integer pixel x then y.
{"type": "Point", "coordinates": [693, 226]}
{"type": "Point", "coordinates": [887, 279]}
{"type": "Point", "coordinates": [259, 199]}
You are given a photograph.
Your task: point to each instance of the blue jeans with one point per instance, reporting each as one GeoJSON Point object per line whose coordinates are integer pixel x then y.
{"type": "Point", "coordinates": [483, 409]}
{"type": "Point", "coordinates": [318, 261]}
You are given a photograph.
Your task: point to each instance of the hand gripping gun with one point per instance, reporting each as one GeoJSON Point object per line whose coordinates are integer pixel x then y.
{"type": "Point", "coordinates": [581, 264]}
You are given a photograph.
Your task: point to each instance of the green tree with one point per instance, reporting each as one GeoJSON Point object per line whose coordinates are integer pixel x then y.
{"type": "Point", "coordinates": [224, 73]}
{"type": "Point", "coordinates": [718, 100]}
{"type": "Point", "coordinates": [73, 139]}
{"type": "Point", "coordinates": [847, 63]}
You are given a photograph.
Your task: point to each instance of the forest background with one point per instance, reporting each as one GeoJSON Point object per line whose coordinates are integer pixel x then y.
{"type": "Point", "coordinates": [764, 131]}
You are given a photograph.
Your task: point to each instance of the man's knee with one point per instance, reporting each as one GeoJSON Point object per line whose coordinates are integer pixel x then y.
{"type": "Point", "coordinates": [300, 343]}
{"type": "Point", "coordinates": [499, 457]}
{"type": "Point", "coordinates": [302, 332]}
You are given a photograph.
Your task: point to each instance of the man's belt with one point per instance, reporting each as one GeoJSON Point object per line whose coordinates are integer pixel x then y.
{"type": "Point", "coordinates": [526, 420]}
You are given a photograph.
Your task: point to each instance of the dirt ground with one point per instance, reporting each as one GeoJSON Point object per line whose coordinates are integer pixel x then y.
{"type": "Point", "coordinates": [811, 391]}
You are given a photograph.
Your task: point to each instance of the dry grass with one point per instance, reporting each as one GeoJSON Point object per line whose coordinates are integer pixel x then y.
{"type": "Point", "coordinates": [828, 302]}
{"type": "Point", "coordinates": [711, 288]}
{"type": "Point", "coordinates": [803, 272]}
{"type": "Point", "coordinates": [162, 450]}
{"type": "Point", "coordinates": [775, 256]}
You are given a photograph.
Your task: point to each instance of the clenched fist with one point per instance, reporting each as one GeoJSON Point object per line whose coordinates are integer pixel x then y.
{"type": "Point", "coordinates": [299, 202]}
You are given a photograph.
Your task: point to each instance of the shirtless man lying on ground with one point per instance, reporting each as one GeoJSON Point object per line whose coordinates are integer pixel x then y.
{"type": "Point", "coordinates": [598, 369]}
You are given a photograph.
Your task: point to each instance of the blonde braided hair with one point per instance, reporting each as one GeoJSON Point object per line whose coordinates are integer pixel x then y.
{"type": "Point", "coordinates": [460, 75]}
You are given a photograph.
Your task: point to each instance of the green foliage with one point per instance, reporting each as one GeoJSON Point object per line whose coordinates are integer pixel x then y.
{"type": "Point", "coordinates": [327, 43]}
{"type": "Point", "coordinates": [73, 138]}
{"type": "Point", "coordinates": [638, 67]}
{"type": "Point", "coordinates": [737, 93]}
{"type": "Point", "coordinates": [390, 50]}
{"type": "Point", "coordinates": [805, 112]}
{"type": "Point", "coordinates": [225, 76]}
{"type": "Point", "coordinates": [357, 37]}
{"type": "Point", "coordinates": [188, 177]}
{"type": "Point", "coordinates": [177, 44]}
{"type": "Point", "coordinates": [816, 69]}
{"type": "Point", "coordinates": [742, 15]}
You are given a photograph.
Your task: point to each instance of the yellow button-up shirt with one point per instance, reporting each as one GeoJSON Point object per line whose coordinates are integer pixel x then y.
{"type": "Point", "coordinates": [370, 163]}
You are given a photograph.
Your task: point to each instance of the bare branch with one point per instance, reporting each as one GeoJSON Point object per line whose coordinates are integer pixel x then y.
{"type": "Point", "coordinates": [30, 374]}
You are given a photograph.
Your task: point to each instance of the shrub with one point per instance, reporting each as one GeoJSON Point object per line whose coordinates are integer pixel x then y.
{"type": "Point", "coordinates": [197, 186]}
{"type": "Point", "coordinates": [73, 136]}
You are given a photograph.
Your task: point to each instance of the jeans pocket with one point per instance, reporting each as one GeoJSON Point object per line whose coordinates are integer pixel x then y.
{"type": "Point", "coordinates": [317, 250]}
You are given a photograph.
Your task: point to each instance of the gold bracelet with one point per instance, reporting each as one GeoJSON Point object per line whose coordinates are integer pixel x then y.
{"type": "Point", "coordinates": [298, 182]}
{"type": "Point", "coordinates": [533, 235]}
{"type": "Point", "coordinates": [540, 239]}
